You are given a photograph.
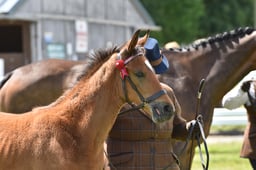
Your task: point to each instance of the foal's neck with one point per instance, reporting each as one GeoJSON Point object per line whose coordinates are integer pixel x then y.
{"type": "Point", "coordinates": [93, 104]}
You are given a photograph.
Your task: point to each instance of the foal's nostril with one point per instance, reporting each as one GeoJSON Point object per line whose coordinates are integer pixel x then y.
{"type": "Point", "coordinates": [167, 108]}
{"type": "Point", "coordinates": [162, 112]}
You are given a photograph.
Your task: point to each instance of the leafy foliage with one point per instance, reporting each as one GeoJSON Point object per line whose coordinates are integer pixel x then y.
{"type": "Point", "coordinates": [185, 21]}
{"type": "Point", "coordinates": [175, 17]}
{"type": "Point", "coordinates": [226, 15]}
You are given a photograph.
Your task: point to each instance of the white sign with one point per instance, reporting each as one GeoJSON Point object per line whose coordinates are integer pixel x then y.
{"type": "Point", "coordinates": [55, 50]}
{"type": "Point", "coordinates": [81, 36]}
{"type": "Point", "coordinates": [48, 37]}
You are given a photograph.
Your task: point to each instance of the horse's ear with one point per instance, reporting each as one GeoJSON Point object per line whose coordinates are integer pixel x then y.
{"type": "Point", "coordinates": [142, 41]}
{"type": "Point", "coordinates": [133, 41]}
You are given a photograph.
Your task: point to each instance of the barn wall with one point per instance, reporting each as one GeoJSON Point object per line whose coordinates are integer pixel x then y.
{"type": "Point", "coordinates": [110, 22]}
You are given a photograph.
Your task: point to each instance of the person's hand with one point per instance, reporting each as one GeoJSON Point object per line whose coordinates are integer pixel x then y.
{"type": "Point", "coordinates": [246, 86]}
{"type": "Point", "coordinates": [194, 126]}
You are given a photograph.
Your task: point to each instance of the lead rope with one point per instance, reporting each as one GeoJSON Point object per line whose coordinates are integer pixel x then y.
{"type": "Point", "coordinates": [198, 120]}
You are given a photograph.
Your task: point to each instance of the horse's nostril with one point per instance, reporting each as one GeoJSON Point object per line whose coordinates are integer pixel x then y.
{"type": "Point", "coordinates": [167, 108]}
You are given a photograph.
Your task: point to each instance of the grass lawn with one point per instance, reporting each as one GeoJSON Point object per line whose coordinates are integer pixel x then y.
{"type": "Point", "coordinates": [223, 156]}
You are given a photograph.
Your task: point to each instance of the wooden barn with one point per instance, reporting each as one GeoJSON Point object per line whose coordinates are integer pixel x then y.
{"type": "Point", "coordinates": [32, 30]}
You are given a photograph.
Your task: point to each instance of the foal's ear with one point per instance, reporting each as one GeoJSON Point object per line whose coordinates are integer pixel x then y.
{"type": "Point", "coordinates": [133, 41]}
{"type": "Point", "coordinates": [142, 41]}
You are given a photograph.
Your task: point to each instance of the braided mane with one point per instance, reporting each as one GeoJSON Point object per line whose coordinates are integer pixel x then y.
{"type": "Point", "coordinates": [220, 37]}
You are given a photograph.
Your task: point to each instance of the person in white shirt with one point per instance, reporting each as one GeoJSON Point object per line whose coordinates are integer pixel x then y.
{"type": "Point", "coordinates": [245, 95]}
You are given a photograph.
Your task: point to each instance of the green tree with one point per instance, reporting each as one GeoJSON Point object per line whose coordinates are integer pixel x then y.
{"type": "Point", "coordinates": [185, 21]}
{"type": "Point", "coordinates": [226, 15]}
{"type": "Point", "coordinates": [179, 19]}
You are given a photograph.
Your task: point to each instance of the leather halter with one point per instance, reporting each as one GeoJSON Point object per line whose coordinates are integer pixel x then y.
{"type": "Point", "coordinates": [120, 64]}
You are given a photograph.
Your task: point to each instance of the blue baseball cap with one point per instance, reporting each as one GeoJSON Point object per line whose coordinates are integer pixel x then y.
{"type": "Point", "coordinates": [157, 60]}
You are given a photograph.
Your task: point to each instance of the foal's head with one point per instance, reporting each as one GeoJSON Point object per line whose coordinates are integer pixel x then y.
{"type": "Point", "coordinates": [141, 85]}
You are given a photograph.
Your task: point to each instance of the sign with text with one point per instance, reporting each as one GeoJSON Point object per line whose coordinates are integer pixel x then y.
{"type": "Point", "coordinates": [81, 36]}
{"type": "Point", "coordinates": [56, 50]}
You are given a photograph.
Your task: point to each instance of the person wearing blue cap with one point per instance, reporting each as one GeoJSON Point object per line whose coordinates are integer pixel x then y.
{"type": "Point", "coordinates": [156, 59]}
{"type": "Point", "coordinates": [135, 142]}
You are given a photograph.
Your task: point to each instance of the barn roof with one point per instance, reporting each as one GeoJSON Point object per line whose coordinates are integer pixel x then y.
{"type": "Point", "coordinates": [7, 5]}
{"type": "Point", "coordinates": [10, 10]}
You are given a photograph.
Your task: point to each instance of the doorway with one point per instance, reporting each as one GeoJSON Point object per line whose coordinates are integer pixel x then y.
{"type": "Point", "coordinates": [14, 44]}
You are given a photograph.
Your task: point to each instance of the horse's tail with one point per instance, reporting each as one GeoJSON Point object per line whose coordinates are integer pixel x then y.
{"type": "Point", "coordinates": [5, 79]}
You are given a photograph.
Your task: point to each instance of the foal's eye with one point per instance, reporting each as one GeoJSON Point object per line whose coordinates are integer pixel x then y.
{"type": "Point", "coordinates": [140, 74]}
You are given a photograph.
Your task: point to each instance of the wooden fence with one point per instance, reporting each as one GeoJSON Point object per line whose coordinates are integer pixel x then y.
{"type": "Point", "coordinates": [229, 117]}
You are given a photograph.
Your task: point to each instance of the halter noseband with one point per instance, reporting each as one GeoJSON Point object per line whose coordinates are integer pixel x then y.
{"type": "Point", "coordinates": [120, 65]}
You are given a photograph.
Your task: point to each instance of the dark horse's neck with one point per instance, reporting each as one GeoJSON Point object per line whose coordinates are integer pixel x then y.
{"type": "Point", "coordinates": [223, 60]}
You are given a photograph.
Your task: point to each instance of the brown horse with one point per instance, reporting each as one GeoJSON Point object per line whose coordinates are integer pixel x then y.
{"type": "Point", "coordinates": [223, 60]}
{"type": "Point", "coordinates": [51, 76]}
{"type": "Point", "coordinates": [70, 133]}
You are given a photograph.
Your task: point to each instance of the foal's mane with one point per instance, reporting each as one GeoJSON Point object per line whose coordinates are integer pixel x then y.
{"type": "Point", "coordinates": [96, 59]}
{"type": "Point", "coordinates": [218, 38]}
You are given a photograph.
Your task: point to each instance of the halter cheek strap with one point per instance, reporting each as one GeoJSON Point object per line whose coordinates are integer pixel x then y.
{"type": "Point", "coordinates": [120, 65]}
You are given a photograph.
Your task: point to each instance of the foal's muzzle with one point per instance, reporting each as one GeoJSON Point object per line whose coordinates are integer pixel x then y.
{"type": "Point", "coordinates": [161, 111]}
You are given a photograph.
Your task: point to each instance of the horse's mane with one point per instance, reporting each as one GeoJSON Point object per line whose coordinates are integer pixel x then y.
{"type": "Point", "coordinates": [96, 59]}
{"type": "Point", "coordinates": [218, 38]}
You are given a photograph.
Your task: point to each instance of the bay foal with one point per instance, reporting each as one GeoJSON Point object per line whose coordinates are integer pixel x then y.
{"type": "Point", "coordinates": [70, 133]}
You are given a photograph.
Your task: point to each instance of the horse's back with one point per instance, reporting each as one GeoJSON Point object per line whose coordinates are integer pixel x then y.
{"type": "Point", "coordinates": [20, 93]}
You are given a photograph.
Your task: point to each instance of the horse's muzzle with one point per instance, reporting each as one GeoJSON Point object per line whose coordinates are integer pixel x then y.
{"type": "Point", "coordinates": [162, 111]}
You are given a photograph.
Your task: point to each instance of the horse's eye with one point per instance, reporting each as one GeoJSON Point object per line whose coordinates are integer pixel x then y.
{"type": "Point", "coordinates": [140, 74]}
